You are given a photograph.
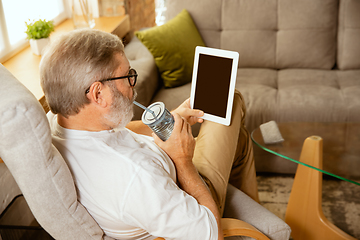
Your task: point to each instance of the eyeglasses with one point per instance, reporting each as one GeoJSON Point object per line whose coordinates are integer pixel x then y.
{"type": "Point", "coordinates": [132, 77]}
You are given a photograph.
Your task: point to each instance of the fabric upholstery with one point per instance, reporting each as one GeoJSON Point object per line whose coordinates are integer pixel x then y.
{"type": "Point", "coordinates": [147, 82]}
{"type": "Point", "coordinates": [173, 47]}
{"type": "Point", "coordinates": [38, 168]}
{"type": "Point", "coordinates": [205, 14]}
{"type": "Point", "coordinates": [268, 34]}
{"type": "Point", "coordinates": [349, 35]}
{"type": "Point", "coordinates": [300, 95]}
{"type": "Point", "coordinates": [255, 214]}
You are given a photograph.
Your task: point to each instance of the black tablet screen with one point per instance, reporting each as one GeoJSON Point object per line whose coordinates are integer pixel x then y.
{"type": "Point", "coordinates": [212, 84]}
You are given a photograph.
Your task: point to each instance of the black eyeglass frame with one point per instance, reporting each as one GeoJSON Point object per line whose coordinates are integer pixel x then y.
{"type": "Point", "coordinates": [116, 78]}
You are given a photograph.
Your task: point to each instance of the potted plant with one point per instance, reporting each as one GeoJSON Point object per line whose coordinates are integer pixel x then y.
{"type": "Point", "coordinates": [38, 33]}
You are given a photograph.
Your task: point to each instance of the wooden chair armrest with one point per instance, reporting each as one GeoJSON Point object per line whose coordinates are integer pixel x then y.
{"type": "Point", "coordinates": [235, 227]}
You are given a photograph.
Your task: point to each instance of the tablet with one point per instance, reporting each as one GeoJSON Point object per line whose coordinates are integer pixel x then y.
{"type": "Point", "coordinates": [213, 83]}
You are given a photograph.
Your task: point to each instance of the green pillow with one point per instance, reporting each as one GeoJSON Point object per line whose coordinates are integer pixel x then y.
{"type": "Point", "coordinates": [173, 47]}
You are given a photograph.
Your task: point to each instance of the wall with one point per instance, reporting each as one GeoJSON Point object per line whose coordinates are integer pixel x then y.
{"type": "Point", "coordinates": [141, 13]}
{"type": "Point", "coordinates": [109, 8]}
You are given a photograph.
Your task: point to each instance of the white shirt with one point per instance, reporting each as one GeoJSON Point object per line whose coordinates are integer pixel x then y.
{"type": "Point", "coordinates": [128, 184]}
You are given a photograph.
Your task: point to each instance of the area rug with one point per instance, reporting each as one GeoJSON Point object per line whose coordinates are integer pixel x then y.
{"type": "Point", "coordinates": [341, 200]}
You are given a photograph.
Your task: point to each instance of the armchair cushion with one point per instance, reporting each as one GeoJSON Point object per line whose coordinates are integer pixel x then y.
{"type": "Point", "coordinates": [242, 207]}
{"type": "Point", "coordinates": [173, 47]}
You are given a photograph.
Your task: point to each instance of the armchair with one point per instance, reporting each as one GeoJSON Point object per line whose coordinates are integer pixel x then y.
{"type": "Point", "coordinates": [47, 184]}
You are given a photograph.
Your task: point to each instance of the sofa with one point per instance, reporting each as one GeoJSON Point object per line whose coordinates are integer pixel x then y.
{"type": "Point", "coordinates": [299, 60]}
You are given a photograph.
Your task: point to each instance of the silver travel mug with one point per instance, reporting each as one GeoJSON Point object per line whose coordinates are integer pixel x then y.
{"type": "Point", "coordinates": [159, 120]}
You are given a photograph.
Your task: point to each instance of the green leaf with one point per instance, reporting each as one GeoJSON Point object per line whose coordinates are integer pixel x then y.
{"type": "Point", "coordinates": [39, 29]}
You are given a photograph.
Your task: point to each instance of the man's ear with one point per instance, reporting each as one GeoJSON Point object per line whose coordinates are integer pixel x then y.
{"type": "Point", "coordinates": [97, 94]}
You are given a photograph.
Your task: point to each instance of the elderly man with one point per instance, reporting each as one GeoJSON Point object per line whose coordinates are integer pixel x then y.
{"type": "Point", "coordinates": [135, 185]}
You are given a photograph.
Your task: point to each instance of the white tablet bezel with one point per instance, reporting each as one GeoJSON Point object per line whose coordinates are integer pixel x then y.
{"type": "Point", "coordinates": [218, 53]}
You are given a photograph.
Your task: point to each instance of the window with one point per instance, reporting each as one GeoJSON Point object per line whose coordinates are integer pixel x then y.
{"type": "Point", "coordinates": [14, 14]}
{"type": "Point", "coordinates": [160, 9]}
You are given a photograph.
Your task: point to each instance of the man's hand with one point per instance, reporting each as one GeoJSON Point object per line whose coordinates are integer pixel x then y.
{"type": "Point", "coordinates": [181, 143]}
{"type": "Point", "coordinates": [192, 116]}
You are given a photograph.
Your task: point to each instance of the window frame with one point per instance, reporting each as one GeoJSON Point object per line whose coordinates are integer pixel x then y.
{"type": "Point", "coordinates": [11, 50]}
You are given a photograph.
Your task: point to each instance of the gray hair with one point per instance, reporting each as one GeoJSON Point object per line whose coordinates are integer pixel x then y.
{"type": "Point", "coordinates": [72, 63]}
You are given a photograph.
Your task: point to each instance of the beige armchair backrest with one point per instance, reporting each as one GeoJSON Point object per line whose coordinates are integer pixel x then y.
{"type": "Point", "coordinates": [37, 166]}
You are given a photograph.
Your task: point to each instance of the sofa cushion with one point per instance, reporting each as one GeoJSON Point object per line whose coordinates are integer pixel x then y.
{"type": "Point", "coordinates": [349, 83]}
{"type": "Point", "coordinates": [281, 34]}
{"type": "Point", "coordinates": [300, 95]}
{"type": "Point", "coordinates": [206, 16]}
{"type": "Point", "coordinates": [349, 35]}
{"type": "Point", "coordinates": [260, 90]}
{"type": "Point", "coordinates": [307, 34]}
{"type": "Point", "coordinates": [250, 28]}
{"type": "Point", "coordinates": [308, 95]}
{"type": "Point", "coordinates": [173, 47]}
